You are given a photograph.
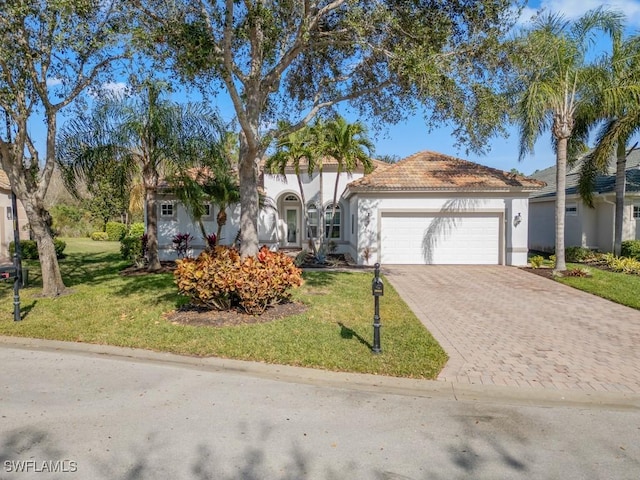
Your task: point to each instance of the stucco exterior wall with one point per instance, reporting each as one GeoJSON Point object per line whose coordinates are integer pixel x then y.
{"type": "Point", "coordinates": [541, 225]}
{"type": "Point", "coordinates": [6, 223]}
{"type": "Point", "coordinates": [181, 222]}
{"type": "Point", "coordinates": [371, 206]}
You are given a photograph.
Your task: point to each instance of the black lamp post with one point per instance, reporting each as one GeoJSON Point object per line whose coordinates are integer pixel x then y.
{"type": "Point", "coordinates": [377, 290]}
{"type": "Point", "coordinates": [17, 261]}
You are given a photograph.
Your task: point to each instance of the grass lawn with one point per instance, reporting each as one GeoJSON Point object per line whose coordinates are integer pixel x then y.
{"type": "Point", "coordinates": [618, 287]}
{"type": "Point", "coordinates": [334, 333]}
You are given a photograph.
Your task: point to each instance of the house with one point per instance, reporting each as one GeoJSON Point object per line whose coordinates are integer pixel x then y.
{"type": "Point", "coordinates": [7, 216]}
{"type": "Point", "coordinates": [584, 226]}
{"type": "Point", "coordinates": [426, 209]}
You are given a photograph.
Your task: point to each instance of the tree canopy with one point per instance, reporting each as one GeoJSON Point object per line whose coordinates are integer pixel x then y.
{"type": "Point", "coordinates": [554, 85]}
{"type": "Point", "coordinates": [290, 60]}
{"type": "Point", "coordinates": [51, 51]}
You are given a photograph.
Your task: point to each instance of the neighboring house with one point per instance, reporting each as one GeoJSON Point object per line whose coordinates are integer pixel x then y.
{"type": "Point", "coordinates": [7, 216]}
{"type": "Point", "coordinates": [426, 209]}
{"type": "Point", "coordinates": [584, 226]}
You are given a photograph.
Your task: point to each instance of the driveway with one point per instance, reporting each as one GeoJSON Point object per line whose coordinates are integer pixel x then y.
{"type": "Point", "coordinates": [506, 326]}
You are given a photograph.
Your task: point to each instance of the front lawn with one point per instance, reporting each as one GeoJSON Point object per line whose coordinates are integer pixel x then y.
{"type": "Point", "coordinates": [334, 333]}
{"type": "Point", "coordinates": [617, 287]}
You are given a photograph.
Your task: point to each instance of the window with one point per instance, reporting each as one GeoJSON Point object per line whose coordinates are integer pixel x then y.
{"type": "Point", "coordinates": [206, 209]}
{"type": "Point", "coordinates": [290, 198]}
{"type": "Point", "coordinates": [636, 211]}
{"type": "Point", "coordinates": [312, 213]}
{"type": "Point", "coordinates": [167, 209]}
{"type": "Point", "coordinates": [571, 209]}
{"type": "Point", "coordinates": [328, 215]}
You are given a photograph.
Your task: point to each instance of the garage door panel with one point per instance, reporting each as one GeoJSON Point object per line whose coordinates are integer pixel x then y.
{"type": "Point", "coordinates": [410, 238]}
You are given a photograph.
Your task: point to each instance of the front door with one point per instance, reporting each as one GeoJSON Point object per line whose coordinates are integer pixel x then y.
{"type": "Point", "coordinates": [292, 215]}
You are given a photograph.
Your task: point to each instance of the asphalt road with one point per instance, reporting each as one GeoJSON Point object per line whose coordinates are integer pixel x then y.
{"type": "Point", "coordinates": [89, 415]}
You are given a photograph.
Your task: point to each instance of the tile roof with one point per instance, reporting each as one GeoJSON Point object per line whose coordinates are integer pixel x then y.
{"type": "Point", "coordinates": [605, 183]}
{"type": "Point", "coordinates": [424, 171]}
{"type": "Point", "coordinates": [4, 181]}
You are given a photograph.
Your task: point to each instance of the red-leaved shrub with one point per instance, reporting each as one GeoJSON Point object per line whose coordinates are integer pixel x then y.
{"type": "Point", "coordinates": [220, 279]}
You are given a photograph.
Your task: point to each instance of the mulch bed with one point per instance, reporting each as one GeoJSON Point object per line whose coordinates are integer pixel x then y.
{"type": "Point", "coordinates": [200, 316]}
{"type": "Point", "coordinates": [543, 272]}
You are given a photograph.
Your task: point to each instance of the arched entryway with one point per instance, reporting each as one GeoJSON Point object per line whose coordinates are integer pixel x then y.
{"type": "Point", "coordinates": [290, 213]}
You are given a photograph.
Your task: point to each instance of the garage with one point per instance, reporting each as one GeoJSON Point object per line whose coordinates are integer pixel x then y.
{"type": "Point", "coordinates": [434, 209]}
{"type": "Point", "coordinates": [441, 239]}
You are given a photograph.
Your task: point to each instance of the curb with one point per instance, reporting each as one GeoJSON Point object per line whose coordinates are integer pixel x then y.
{"type": "Point", "coordinates": [453, 391]}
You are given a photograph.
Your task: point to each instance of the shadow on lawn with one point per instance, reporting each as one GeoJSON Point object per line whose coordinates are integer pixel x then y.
{"type": "Point", "coordinates": [348, 334]}
{"type": "Point", "coordinates": [322, 279]}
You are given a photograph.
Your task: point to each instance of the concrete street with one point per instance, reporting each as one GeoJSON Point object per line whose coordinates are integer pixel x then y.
{"type": "Point", "coordinates": [95, 412]}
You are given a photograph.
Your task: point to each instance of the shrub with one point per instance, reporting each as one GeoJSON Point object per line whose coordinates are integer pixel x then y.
{"type": "Point", "coordinates": [71, 221]}
{"type": "Point", "coordinates": [29, 249]}
{"type": "Point", "coordinates": [536, 261]}
{"type": "Point", "coordinates": [116, 231]}
{"type": "Point", "coordinates": [136, 229]}
{"type": "Point", "coordinates": [212, 241]}
{"type": "Point", "coordinates": [624, 264]}
{"type": "Point", "coordinates": [181, 243]}
{"type": "Point", "coordinates": [552, 259]}
{"type": "Point", "coordinates": [577, 254]}
{"type": "Point", "coordinates": [134, 249]}
{"type": "Point", "coordinates": [631, 249]}
{"type": "Point", "coordinates": [578, 272]}
{"type": "Point", "coordinates": [221, 279]}
{"type": "Point", "coordinates": [100, 236]}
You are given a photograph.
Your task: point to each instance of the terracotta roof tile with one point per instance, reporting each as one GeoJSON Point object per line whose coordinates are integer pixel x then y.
{"type": "Point", "coordinates": [4, 181]}
{"type": "Point", "coordinates": [434, 171]}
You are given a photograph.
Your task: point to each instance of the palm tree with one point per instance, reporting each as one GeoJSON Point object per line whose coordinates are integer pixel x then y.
{"type": "Point", "coordinates": [295, 149]}
{"type": "Point", "coordinates": [556, 76]}
{"type": "Point", "coordinates": [616, 102]}
{"type": "Point", "coordinates": [346, 143]}
{"type": "Point", "coordinates": [148, 137]}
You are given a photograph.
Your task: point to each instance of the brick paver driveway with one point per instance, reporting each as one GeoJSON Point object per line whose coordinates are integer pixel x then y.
{"type": "Point", "coordinates": [505, 326]}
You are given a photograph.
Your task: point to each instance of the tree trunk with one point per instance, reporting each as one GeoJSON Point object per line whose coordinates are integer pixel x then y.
{"type": "Point", "coordinates": [561, 180]}
{"type": "Point", "coordinates": [221, 220]}
{"type": "Point", "coordinates": [248, 174]}
{"type": "Point", "coordinates": [52, 284]}
{"type": "Point", "coordinates": [152, 230]}
{"type": "Point", "coordinates": [621, 165]}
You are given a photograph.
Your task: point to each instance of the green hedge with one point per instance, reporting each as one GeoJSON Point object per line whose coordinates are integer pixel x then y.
{"type": "Point", "coordinates": [136, 230]}
{"type": "Point", "coordinates": [29, 249]}
{"type": "Point", "coordinates": [631, 249]}
{"type": "Point", "coordinates": [100, 236]}
{"type": "Point", "coordinates": [116, 231]}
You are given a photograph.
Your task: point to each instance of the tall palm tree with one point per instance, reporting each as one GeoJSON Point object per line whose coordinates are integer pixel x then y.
{"type": "Point", "coordinates": [615, 108]}
{"type": "Point", "coordinates": [553, 60]}
{"type": "Point", "coordinates": [149, 137]}
{"type": "Point", "coordinates": [348, 144]}
{"type": "Point", "coordinates": [295, 149]}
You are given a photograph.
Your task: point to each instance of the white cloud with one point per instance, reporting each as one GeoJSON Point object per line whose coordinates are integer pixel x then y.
{"type": "Point", "coordinates": [111, 89]}
{"type": "Point", "coordinates": [52, 82]}
{"type": "Point", "coordinates": [572, 9]}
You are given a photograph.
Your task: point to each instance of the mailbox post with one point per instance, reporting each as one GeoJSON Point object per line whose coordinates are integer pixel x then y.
{"type": "Point", "coordinates": [377, 290]}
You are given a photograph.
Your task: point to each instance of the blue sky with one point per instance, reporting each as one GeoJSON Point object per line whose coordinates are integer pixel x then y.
{"type": "Point", "coordinates": [412, 135]}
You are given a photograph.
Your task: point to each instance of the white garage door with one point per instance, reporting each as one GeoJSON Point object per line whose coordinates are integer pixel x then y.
{"type": "Point", "coordinates": [416, 238]}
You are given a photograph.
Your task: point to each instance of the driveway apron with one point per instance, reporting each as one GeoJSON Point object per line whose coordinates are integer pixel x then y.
{"type": "Point", "coordinates": [505, 326]}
